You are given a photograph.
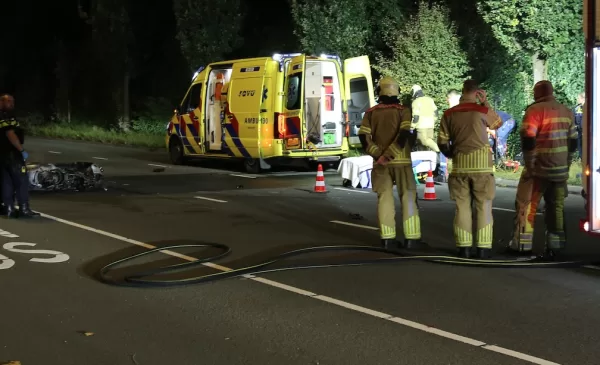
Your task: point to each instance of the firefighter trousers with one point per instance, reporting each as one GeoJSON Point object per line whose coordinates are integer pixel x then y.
{"type": "Point", "coordinates": [468, 190]}
{"type": "Point", "coordinates": [383, 180]}
{"type": "Point", "coordinates": [529, 193]}
{"type": "Point", "coordinates": [425, 137]}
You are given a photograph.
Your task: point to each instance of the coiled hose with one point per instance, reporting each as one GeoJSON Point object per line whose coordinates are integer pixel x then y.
{"type": "Point", "coordinates": [142, 278]}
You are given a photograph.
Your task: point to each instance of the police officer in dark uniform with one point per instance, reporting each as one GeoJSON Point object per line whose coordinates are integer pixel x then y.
{"type": "Point", "coordinates": [15, 181]}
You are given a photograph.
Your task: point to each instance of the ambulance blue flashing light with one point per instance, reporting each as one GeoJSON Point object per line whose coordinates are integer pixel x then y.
{"type": "Point", "coordinates": [200, 69]}
{"type": "Point", "coordinates": [282, 56]}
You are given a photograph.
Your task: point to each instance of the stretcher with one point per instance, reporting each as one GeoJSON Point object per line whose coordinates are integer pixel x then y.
{"type": "Point", "coordinates": [356, 171]}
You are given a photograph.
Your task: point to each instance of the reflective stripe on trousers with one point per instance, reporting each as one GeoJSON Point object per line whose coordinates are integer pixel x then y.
{"type": "Point", "coordinates": [384, 178]}
{"type": "Point", "coordinates": [529, 193]}
{"type": "Point", "coordinates": [466, 190]}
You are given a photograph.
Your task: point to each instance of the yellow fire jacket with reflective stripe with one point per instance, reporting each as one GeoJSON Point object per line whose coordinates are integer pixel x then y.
{"type": "Point", "coordinates": [464, 127]}
{"type": "Point", "coordinates": [425, 108]}
{"type": "Point", "coordinates": [382, 125]}
{"type": "Point", "coordinates": [552, 125]}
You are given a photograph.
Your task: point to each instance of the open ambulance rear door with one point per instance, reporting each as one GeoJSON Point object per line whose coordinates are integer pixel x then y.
{"type": "Point", "coordinates": [360, 96]}
{"type": "Point", "coordinates": [293, 104]}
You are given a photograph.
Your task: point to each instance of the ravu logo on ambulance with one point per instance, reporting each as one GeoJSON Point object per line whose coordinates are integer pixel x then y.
{"type": "Point", "coordinates": [247, 93]}
{"type": "Point", "coordinates": [17, 247]}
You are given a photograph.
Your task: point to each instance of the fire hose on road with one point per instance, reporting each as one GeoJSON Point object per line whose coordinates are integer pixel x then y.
{"type": "Point", "coordinates": [142, 278]}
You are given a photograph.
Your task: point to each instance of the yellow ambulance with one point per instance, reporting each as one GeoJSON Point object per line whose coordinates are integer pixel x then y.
{"type": "Point", "coordinates": [271, 110]}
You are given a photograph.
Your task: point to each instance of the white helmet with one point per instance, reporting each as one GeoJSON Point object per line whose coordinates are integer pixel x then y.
{"type": "Point", "coordinates": [416, 88]}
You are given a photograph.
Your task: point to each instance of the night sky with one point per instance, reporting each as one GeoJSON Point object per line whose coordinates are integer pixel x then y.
{"type": "Point", "coordinates": [51, 55]}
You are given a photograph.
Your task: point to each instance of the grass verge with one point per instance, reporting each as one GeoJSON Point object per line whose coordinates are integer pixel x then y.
{"type": "Point", "coordinates": [90, 133]}
{"type": "Point", "coordinates": [574, 174]}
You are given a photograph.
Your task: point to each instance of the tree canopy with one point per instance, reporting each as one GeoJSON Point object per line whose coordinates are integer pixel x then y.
{"type": "Point", "coordinates": [426, 51]}
{"type": "Point", "coordinates": [106, 59]}
{"type": "Point", "coordinates": [208, 30]}
{"type": "Point", "coordinates": [332, 26]}
{"type": "Point", "coordinates": [537, 28]}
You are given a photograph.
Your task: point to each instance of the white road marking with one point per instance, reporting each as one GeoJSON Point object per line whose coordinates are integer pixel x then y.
{"type": "Point", "coordinates": [210, 199]}
{"type": "Point", "coordinates": [286, 174]}
{"type": "Point", "coordinates": [54, 152]}
{"type": "Point", "coordinates": [58, 256]}
{"type": "Point", "coordinates": [352, 191]}
{"type": "Point", "coordinates": [355, 225]}
{"type": "Point", "coordinates": [151, 164]}
{"type": "Point", "coordinates": [511, 210]}
{"type": "Point", "coordinates": [593, 267]}
{"type": "Point", "coordinates": [100, 158]}
{"type": "Point", "coordinates": [353, 307]}
{"type": "Point", "coordinates": [518, 355]}
{"type": "Point", "coordinates": [246, 176]}
{"type": "Point", "coordinates": [340, 303]}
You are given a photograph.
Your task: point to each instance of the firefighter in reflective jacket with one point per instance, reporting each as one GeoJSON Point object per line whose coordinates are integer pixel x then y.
{"type": "Point", "coordinates": [463, 137]}
{"type": "Point", "coordinates": [385, 134]}
{"type": "Point", "coordinates": [549, 141]}
{"type": "Point", "coordinates": [424, 115]}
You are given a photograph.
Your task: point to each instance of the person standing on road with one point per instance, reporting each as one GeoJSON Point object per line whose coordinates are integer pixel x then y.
{"type": "Point", "coordinates": [508, 124]}
{"type": "Point", "coordinates": [463, 137]}
{"type": "Point", "coordinates": [385, 134]}
{"type": "Point", "coordinates": [15, 180]}
{"type": "Point", "coordinates": [549, 141]}
{"type": "Point", "coordinates": [424, 115]}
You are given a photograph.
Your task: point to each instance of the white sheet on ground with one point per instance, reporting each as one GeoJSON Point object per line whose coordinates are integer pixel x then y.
{"type": "Point", "coordinates": [358, 169]}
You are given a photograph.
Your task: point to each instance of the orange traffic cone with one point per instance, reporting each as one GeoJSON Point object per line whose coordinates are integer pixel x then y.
{"type": "Point", "coordinates": [429, 187]}
{"type": "Point", "coordinates": [320, 183]}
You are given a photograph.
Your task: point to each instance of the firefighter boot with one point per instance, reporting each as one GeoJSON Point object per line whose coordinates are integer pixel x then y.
{"type": "Point", "coordinates": [411, 244]}
{"type": "Point", "coordinates": [464, 252]}
{"type": "Point", "coordinates": [26, 212]}
{"type": "Point", "coordinates": [389, 244]}
{"type": "Point", "coordinates": [484, 253]}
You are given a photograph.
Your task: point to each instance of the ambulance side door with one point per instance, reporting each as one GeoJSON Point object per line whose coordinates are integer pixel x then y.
{"type": "Point", "coordinates": [243, 118]}
{"type": "Point", "coordinates": [360, 95]}
{"type": "Point", "coordinates": [293, 104]}
{"type": "Point", "coordinates": [190, 115]}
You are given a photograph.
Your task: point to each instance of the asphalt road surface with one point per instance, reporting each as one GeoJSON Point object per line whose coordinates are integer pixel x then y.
{"type": "Point", "coordinates": [57, 313]}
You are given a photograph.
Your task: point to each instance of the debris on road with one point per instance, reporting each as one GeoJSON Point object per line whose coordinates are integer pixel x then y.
{"type": "Point", "coordinates": [159, 169]}
{"type": "Point", "coordinates": [356, 216]}
{"type": "Point", "coordinates": [87, 334]}
{"type": "Point", "coordinates": [13, 362]}
{"type": "Point", "coordinates": [76, 176]}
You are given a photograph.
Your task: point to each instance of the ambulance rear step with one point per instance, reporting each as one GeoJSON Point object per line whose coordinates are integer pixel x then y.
{"type": "Point", "coordinates": [325, 158]}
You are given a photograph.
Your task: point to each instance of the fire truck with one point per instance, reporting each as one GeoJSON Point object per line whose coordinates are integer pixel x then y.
{"type": "Point", "coordinates": [591, 116]}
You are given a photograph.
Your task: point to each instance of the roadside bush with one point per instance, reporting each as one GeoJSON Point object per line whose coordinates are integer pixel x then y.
{"type": "Point", "coordinates": [149, 126]}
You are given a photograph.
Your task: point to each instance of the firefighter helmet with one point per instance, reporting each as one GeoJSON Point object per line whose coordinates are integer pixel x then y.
{"type": "Point", "coordinates": [415, 89]}
{"type": "Point", "coordinates": [388, 87]}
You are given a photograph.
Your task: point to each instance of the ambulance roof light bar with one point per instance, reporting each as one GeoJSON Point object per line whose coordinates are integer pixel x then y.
{"type": "Point", "coordinates": [282, 56]}
{"type": "Point", "coordinates": [200, 69]}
